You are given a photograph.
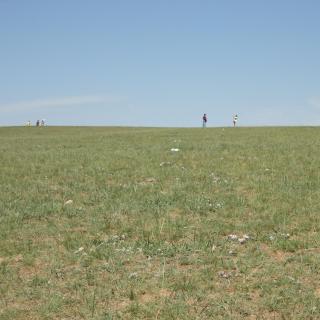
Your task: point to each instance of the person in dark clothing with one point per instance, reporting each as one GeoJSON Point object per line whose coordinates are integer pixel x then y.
{"type": "Point", "coordinates": [204, 120]}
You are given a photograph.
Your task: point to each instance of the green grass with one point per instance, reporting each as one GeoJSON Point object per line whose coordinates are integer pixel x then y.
{"type": "Point", "coordinates": [146, 234]}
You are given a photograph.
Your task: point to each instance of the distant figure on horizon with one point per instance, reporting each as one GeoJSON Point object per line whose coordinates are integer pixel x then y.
{"type": "Point", "coordinates": [235, 119]}
{"type": "Point", "coordinates": [28, 123]}
{"type": "Point", "coordinates": [204, 120]}
{"type": "Point", "coordinates": [42, 122]}
{"type": "Point", "coordinates": [38, 123]}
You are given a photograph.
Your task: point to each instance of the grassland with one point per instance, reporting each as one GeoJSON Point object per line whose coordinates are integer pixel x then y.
{"type": "Point", "coordinates": [108, 223]}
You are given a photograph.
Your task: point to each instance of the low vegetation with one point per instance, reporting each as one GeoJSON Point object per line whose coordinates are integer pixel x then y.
{"type": "Point", "coordinates": [110, 223]}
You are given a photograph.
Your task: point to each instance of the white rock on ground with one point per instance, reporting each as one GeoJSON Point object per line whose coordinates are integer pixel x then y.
{"type": "Point", "coordinates": [232, 237]}
{"type": "Point", "coordinates": [79, 250]}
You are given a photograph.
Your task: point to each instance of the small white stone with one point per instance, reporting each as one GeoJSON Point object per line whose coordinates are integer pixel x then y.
{"type": "Point", "coordinates": [242, 240]}
{"type": "Point", "coordinates": [68, 202]}
{"type": "Point", "coordinates": [133, 275]}
{"type": "Point", "coordinates": [165, 164]}
{"type": "Point", "coordinates": [224, 274]}
{"type": "Point", "coordinates": [232, 237]}
{"type": "Point", "coordinates": [79, 250]}
{"type": "Point", "coordinates": [175, 149]}
{"type": "Point", "coordinates": [286, 235]}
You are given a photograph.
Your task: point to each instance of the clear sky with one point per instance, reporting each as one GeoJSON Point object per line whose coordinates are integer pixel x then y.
{"type": "Point", "coordinates": [160, 63]}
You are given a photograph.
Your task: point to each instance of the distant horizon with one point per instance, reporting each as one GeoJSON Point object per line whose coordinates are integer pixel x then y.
{"type": "Point", "coordinates": [161, 127]}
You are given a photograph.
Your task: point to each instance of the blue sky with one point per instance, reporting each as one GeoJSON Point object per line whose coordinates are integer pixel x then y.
{"type": "Point", "coordinates": [160, 63]}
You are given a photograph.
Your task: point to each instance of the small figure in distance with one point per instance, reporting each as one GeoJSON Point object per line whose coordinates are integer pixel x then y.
{"type": "Point", "coordinates": [38, 123]}
{"type": "Point", "coordinates": [28, 123]}
{"type": "Point", "coordinates": [204, 120]}
{"type": "Point", "coordinates": [42, 123]}
{"type": "Point", "coordinates": [235, 119]}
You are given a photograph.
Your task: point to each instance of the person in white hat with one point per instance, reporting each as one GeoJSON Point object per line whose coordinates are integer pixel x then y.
{"type": "Point", "coordinates": [235, 119]}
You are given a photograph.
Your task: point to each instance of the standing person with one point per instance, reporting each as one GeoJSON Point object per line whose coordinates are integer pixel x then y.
{"type": "Point", "coordinates": [37, 123]}
{"type": "Point", "coordinates": [204, 120]}
{"type": "Point", "coordinates": [42, 122]}
{"type": "Point", "coordinates": [235, 119]}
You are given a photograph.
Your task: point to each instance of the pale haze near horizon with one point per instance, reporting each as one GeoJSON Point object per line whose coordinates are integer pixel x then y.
{"type": "Point", "coordinates": [164, 63]}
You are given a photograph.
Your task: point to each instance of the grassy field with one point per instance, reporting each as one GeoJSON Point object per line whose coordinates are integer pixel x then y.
{"type": "Point", "coordinates": [109, 223]}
